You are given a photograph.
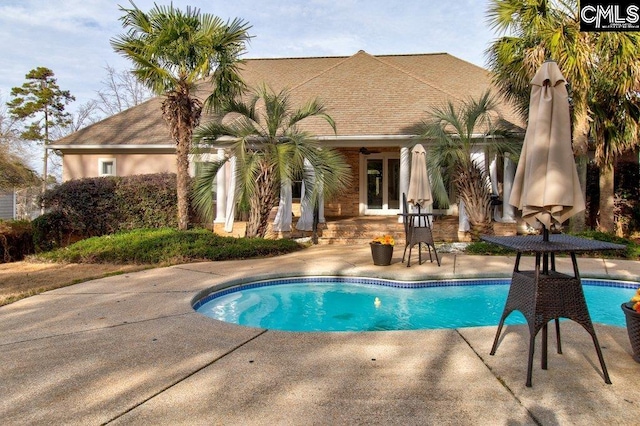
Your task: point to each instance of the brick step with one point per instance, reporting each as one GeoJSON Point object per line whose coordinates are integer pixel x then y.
{"type": "Point", "coordinates": [350, 241]}
{"type": "Point", "coordinates": [361, 230]}
{"type": "Point", "coordinates": [362, 233]}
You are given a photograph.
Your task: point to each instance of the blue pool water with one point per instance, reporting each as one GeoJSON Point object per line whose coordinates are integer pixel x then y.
{"type": "Point", "coordinates": [367, 304]}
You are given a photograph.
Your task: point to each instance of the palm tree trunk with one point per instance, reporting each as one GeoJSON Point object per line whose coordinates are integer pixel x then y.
{"type": "Point", "coordinates": [606, 222]}
{"type": "Point", "coordinates": [182, 113]}
{"type": "Point", "coordinates": [578, 222]}
{"type": "Point", "coordinates": [182, 179]}
{"type": "Point", "coordinates": [470, 183]}
{"type": "Point", "coordinates": [262, 202]}
{"type": "Point", "coordinates": [580, 150]}
{"type": "Point", "coordinates": [480, 228]}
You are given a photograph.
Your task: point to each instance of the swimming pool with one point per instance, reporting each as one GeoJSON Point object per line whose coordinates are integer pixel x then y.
{"type": "Point", "coordinates": [370, 304]}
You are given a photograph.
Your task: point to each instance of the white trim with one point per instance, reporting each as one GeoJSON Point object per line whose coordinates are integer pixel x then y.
{"type": "Point", "coordinates": [166, 146]}
{"type": "Point", "coordinates": [353, 138]}
{"type": "Point", "coordinates": [365, 137]}
{"type": "Point", "coordinates": [383, 137]}
{"type": "Point", "coordinates": [102, 162]}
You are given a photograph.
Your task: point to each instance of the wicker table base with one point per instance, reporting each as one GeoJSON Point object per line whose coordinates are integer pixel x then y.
{"type": "Point", "coordinates": [417, 227]}
{"type": "Point", "coordinates": [549, 297]}
{"type": "Point", "coordinates": [543, 295]}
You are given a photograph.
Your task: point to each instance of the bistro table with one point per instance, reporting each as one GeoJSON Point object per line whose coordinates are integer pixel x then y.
{"type": "Point", "coordinates": [418, 230]}
{"type": "Point", "coordinates": [544, 294]}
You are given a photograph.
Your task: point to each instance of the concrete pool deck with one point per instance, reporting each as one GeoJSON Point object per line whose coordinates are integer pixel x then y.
{"type": "Point", "coordinates": [129, 349]}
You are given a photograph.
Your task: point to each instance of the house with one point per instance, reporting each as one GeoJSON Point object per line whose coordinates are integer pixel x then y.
{"type": "Point", "coordinates": [376, 102]}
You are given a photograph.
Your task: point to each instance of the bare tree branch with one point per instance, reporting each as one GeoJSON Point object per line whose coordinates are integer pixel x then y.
{"type": "Point", "coordinates": [121, 90]}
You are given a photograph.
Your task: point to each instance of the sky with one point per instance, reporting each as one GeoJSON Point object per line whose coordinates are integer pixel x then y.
{"type": "Point", "coordinates": [71, 37]}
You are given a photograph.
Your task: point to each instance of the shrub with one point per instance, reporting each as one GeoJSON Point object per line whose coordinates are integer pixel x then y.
{"type": "Point", "coordinates": [147, 201]}
{"type": "Point", "coordinates": [89, 207]}
{"type": "Point", "coordinates": [88, 204]}
{"type": "Point", "coordinates": [484, 248]}
{"type": "Point", "coordinates": [16, 240]}
{"type": "Point", "coordinates": [632, 250]}
{"type": "Point", "coordinates": [51, 230]}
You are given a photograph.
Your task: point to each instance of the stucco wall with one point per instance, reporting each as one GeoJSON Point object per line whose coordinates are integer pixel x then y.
{"type": "Point", "coordinates": [77, 166]}
{"type": "Point", "coordinates": [87, 165]}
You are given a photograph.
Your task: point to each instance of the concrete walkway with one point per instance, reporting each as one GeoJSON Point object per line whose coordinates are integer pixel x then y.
{"type": "Point", "coordinates": [129, 349]}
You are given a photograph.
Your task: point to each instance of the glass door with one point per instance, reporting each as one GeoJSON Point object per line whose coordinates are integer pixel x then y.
{"type": "Point", "coordinates": [375, 174]}
{"type": "Point", "coordinates": [382, 184]}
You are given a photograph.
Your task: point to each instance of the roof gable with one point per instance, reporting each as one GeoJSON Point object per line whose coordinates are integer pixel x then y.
{"type": "Point", "coordinates": [366, 95]}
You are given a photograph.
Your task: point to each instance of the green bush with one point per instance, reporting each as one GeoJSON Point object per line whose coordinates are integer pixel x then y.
{"type": "Point", "coordinates": [51, 230]}
{"type": "Point", "coordinates": [89, 207]}
{"type": "Point", "coordinates": [16, 240]}
{"type": "Point", "coordinates": [483, 248]}
{"type": "Point", "coordinates": [88, 204]}
{"type": "Point", "coordinates": [632, 250]}
{"type": "Point", "coordinates": [166, 246]}
{"type": "Point", "coordinates": [147, 201]}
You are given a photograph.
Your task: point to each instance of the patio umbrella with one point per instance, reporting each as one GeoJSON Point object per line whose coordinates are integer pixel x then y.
{"type": "Point", "coordinates": [546, 186]}
{"type": "Point", "coordinates": [419, 193]}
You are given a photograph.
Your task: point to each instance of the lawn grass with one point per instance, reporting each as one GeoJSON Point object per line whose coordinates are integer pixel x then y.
{"type": "Point", "coordinates": [166, 246]}
{"type": "Point", "coordinates": [125, 252]}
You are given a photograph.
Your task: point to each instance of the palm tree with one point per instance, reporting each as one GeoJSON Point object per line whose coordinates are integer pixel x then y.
{"type": "Point", "coordinates": [263, 135]}
{"type": "Point", "coordinates": [459, 133]}
{"type": "Point", "coordinates": [171, 52]}
{"type": "Point", "coordinates": [602, 69]}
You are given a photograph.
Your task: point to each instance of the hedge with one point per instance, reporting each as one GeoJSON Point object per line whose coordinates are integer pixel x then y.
{"type": "Point", "coordinates": [90, 207]}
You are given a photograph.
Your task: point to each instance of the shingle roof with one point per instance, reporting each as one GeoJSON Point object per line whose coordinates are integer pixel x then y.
{"type": "Point", "coordinates": [365, 94]}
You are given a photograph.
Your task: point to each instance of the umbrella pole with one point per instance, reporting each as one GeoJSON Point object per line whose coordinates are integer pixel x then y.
{"type": "Point", "coordinates": [545, 255]}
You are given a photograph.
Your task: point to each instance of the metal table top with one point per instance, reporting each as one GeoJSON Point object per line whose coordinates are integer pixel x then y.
{"type": "Point", "coordinates": [557, 243]}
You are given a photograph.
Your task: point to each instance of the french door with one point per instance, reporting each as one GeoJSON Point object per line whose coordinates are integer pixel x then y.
{"type": "Point", "coordinates": [381, 184]}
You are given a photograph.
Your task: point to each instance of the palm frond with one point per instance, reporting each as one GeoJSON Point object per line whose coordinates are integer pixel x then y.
{"type": "Point", "coordinates": [269, 149]}
{"type": "Point", "coordinates": [313, 108]}
{"type": "Point", "coordinates": [202, 195]}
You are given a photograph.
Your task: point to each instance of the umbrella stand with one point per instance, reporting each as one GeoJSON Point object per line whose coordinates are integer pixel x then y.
{"type": "Point", "coordinates": [545, 255]}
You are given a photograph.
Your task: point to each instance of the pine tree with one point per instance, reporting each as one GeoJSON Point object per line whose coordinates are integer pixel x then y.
{"type": "Point", "coordinates": [41, 100]}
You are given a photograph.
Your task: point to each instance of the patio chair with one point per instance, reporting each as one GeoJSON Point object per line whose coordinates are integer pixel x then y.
{"type": "Point", "coordinates": [417, 230]}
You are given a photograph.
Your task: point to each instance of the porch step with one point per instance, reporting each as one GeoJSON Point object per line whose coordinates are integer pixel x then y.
{"type": "Point", "coordinates": [361, 230]}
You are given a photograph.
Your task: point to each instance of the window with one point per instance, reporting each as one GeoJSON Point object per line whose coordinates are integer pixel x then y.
{"type": "Point", "coordinates": [296, 189]}
{"type": "Point", "coordinates": [106, 167]}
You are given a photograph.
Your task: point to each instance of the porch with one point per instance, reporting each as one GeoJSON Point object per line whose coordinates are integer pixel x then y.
{"type": "Point", "coordinates": [362, 229]}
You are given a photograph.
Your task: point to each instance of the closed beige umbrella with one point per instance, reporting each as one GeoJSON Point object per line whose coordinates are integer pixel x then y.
{"type": "Point", "coordinates": [546, 186]}
{"type": "Point", "coordinates": [419, 193]}
{"type": "Point", "coordinates": [418, 227]}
